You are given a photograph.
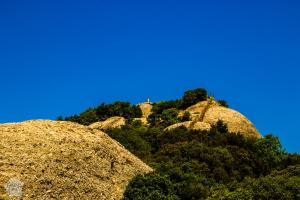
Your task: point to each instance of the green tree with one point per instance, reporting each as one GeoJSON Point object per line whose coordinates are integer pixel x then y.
{"type": "Point", "coordinates": [281, 185]}
{"type": "Point", "coordinates": [169, 116]}
{"type": "Point", "coordinates": [59, 118]}
{"type": "Point", "coordinates": [105, 111]}
{"type": "Point", "coordinates": [223, 103]}
{"type": "Point", "coordinates": [220, 127]}
{"type": "Point", "coordinates": [152, 186]}
{"type": "Point", "coordinates": [192, 97]}
{"type": "Point", "coordinates": [269, 154]}
{"type": "Point", "coordinates": [185, 117]}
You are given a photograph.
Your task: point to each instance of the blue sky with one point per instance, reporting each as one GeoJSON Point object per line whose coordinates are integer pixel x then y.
{"type": "Point", "coordinates": [60, 57]}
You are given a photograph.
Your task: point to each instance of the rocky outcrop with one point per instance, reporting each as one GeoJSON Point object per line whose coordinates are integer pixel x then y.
{"type": "Point", "coordinates": [110, 123]}
{"type": "Point", "coordinates": [210, 112]}
{"type": "Point", "coordinates": [235, 121]}
{"type": "Point", "coordinates": [63, 160]}
{"type": "Point", "coordinates": [191, 125]}
{"type": "Point", "coordinates": [146, 109]}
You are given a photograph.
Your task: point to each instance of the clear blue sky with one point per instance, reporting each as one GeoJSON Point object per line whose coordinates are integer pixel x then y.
{"type": "Point", "coordinates": [60, 57]}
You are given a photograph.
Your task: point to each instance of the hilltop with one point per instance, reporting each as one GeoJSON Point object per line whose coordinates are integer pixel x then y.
{"type": "Point", "coordinates": [195, 110]}
{"type": "Point", "coordinates": [205, 114]}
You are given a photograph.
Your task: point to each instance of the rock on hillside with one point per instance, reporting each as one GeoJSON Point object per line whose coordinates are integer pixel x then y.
{"type": "Point", "coordinates": [191, 125]}
{"type": "Point", "coordinates": [235, 121]}
{"type": "Point", "coordinates": [210, 112]}
{"type": "Point", "coordinates": [110, 123]}
{"type": "Point", "coordinates": [146, 109]}
{"type": "Point", "coordinates": [64, 160]}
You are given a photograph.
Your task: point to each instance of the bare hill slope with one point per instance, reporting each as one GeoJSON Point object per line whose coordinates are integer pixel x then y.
{"type": "Point", "coordinates": [210, 112]}
{"type": "Point", "coordinates": [64, 160]}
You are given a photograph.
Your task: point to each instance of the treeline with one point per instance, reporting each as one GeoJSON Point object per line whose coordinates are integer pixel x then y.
{"type": "Point", "coordinates": [164, 113]}
{"type": "Point", "coordinates": [105, 111]}
{"type": "Point", "coordinates": [213, 164]}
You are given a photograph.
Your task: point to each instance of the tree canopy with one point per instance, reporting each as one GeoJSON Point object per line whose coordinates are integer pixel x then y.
{"type": "Point", "coordinates": [105, 111]}
{"type": "Point", "coordinates": [211, 164]}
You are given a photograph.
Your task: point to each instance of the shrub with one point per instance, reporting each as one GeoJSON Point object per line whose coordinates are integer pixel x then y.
{"type": "Point", "coordinates": [185, 117]}
{"type": "Point", "coordinates": [105, 111]}
{"type": "Point", "coordinates": [223, 103]}
{"type": "Point", "coordinates": [150, 187]}
{"type": "Point", "coordinates": [192, 97]}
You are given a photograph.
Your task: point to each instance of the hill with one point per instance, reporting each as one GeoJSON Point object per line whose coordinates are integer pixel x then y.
{"type": "Point", "coordinates": [64, 160]}
{"type": "Point", "coordinates": [199, 149]}
{"type": "Point", "coordinates": [195, 110]}
{"type": "Point", "coordinates": [205, 114]}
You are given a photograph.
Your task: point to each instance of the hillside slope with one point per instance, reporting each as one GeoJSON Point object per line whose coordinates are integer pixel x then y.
{"type": "Point", "coordinates": [64, 160]}
{"type": "Point", "coordinates": [210, 112]}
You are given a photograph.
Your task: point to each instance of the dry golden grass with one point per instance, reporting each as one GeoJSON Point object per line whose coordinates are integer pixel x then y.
{"type": "Point", "coordinates": [64, 160]}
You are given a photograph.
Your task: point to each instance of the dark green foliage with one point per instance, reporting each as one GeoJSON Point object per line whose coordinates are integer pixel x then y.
{"type": "Point", "coordinates": [131, 137]}
{"type": "Point", "coordinates": [151, 187]}
{"type": "Point", "coordinates": [185, 117]}
{"type": "Point", "coordinates": [164, 113]}
{"type": "Point", "coordinates": [169, 117]}
{"type": "Point", "coordinates": [159, 107]}
{"type": "Point", "coordinates": [85, 118]}
{"type": "Point", "coordinates": [199, 163]}
{"type": "Point", "coordinates": [281, 185]}
{"type": "Point", "coordinates": [220, 127]}
{"type": "Point", "coordinates": [122, 109]}
{"type": "Point", "coordinates": [105, 111]}
{"type": "Point", "coordinates": [269, 154]}
{"type": "Point", "coordinates": [59, 118]}
{"type": "Point", "coordinates": [223, 103]}
{"type": "Point", "coordinates": [192, 97]}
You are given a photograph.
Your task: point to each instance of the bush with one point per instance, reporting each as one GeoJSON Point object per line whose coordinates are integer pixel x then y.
{"type": "Point", "coordinates": [282, 185]}
{"type": "Point", "coordinates": [185, 117]}
{"type": "Point", "coordinates": [223, 103]}
{"type": "Point", "coordinates": [169, 117]}
{"type": "Point", "coordinates": [152, 186]}
{"type": "Point", "coordinates": [164, 114]}
{"type": "Point", "coordinates": [198, 163]}
{"type": "Point", "coordinates": [105, 111]}
{"type": "Point", "coordinates": [192, 97]}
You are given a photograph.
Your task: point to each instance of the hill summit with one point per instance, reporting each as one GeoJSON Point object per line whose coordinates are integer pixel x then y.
{"type": "Point", "coordinates": [207, 113]}
{"type": "Point", "coordinates": [195, 110]}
